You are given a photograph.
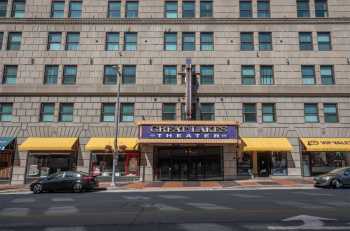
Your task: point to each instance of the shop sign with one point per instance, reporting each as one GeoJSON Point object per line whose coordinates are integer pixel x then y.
{"type": "Point", "coordinates": [328, 142]}
{"type": "Point", "coordinates": [189, 132]}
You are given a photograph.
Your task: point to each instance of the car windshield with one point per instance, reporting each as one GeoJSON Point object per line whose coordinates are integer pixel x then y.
{"type": "Point", "coordinates": [338, 170]}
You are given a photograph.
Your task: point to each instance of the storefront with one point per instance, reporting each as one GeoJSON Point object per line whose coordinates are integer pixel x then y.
{"type": "Point", "coordinates": [101, 161]}
{"type": "Point", "coordinates": [7, 153]}
{"type": "Point", "coordinates": [188, 150]}
{"type": "Point", "coordinates": [49, 155]}
{"type": "Point", "coordinates": [263, 157]}
{"type": "Point", "coordinates": [321, 155]}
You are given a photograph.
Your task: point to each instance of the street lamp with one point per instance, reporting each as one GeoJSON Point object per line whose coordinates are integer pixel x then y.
{"type": "Point", "coordinates": [116, 154]}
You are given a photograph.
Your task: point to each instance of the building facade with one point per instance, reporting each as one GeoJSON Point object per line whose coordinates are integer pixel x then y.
{"type": "Point", "coordinates": [278, 69]}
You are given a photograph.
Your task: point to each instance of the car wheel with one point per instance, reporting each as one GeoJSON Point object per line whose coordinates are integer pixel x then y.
{"type": "Point", "coordinates": [337, 184]}
{"type": "Point", "coordinates": [38, 188]}
{"type": "Point", "coordinates": [77, 187]}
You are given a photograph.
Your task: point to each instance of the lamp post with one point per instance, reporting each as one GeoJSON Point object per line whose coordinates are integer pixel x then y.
{"type": "Point", "coordinates": [115, 154]}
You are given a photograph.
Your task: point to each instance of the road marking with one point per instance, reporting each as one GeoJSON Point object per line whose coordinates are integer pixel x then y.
{"type": "Point", "coordinates": [246, 196]}
{"type": "Point", "coordinates": [341, 204]}
{"type": "Point", "coordinates": [80, 228]}
{"type": "Point", "coordinates": [136, 198]}
{"type": "Point", "coordinates": [61, 210]}
{"type": "Point", "coordinates": [301, 205]}
{"type": "Point", "coordinates": [16, 212]}
{"type": "Point", "coordinates": [62, 199]}
{"type": "Point", "coordinates": [163, 207]}
{"type": "Point", "coordinates": [314, 194]}
{"type": "Point", "coordinates": [23, 200]}
{"type": "Point", "coordinates": [203, 227]}
{"type": "Point", "coordinates": [173, 197]}
{"type": "Point", "coordinates": [208, 206]}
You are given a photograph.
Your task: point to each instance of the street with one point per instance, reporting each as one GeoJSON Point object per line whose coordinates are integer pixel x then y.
{"type": "Point", "coordinates": [222, 210]}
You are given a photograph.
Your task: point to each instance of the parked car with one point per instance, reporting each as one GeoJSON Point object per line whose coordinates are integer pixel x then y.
{"type": "Point", "coordinates": [337, 178]}
{"type": "Point", "coordinates": [64, 181]}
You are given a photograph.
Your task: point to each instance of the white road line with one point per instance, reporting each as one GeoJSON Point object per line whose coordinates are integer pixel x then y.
{"type": "Point", "coordinates": [207, 206]}
{"type": "Point", "coordinates": [62, 199]}
{"type": "Point", "coordinates": [80, 228]}
{"type": "Point", "coordinates": [16, 212]}
{"type": "Point", "coordinates": [203, 227]}
{"type": "Point", "coordinates": [62, 210]}
{"type": "Point", "coordinates": [246, 196]}
{"type": "Point", "coordinates": [173, 197]}
{"type": "Point", "coordinates": [315, 194]}
{"type": "Point", "coordinates": [23, 200]}
{"type": "Point", "coordinates": [302, 205]}
{"type": "Point", "coordinates": [136, 198]}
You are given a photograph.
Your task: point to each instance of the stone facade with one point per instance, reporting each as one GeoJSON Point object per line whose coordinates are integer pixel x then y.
{"type": "Point", "coordinates": [148, 94]}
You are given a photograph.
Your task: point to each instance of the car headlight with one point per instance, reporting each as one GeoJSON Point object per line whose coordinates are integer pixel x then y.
{"type": "Point", "coordinates": [326, 178]}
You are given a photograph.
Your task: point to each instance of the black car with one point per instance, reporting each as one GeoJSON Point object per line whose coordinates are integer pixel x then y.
{"type": "Point", "coordinates": [64, 181]}
{"type": "Point", "coordinates": [337, 178]}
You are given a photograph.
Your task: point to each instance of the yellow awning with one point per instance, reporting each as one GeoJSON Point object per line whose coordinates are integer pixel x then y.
{"type": "Point", "coordinates": [48, 144]}
{"type": "Point", "coordinates": [108, 143]}
{"type": "Point", "coordinates": [266, 145]}
{"type": "Point", "coordinates": [326, 144]}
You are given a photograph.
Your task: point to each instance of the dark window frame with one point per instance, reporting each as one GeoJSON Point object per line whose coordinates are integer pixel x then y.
{"type": "Point", "coordinates": [246, 113]}
{"type": "Point", "coordinates": [169, 115]}
{"type": "Point", "coordinates": [105, 112]}
{"type": "Point", "coordinates": [186, 45]}
{"type": "Point", "coordinates": [323, 77]}
{"type": "Point", "coordinates": [43, 113]}
{"type": "Point", "coordinates": [71, 12]}
{"type": "Point", "coordinates": [67, 77]}
{"type": "Point", "coordinates": [61, 113]}
{"type": "Point", "coordinates": [2, 113]}
{"type": "Point", "coordinates": [209, 43]}
{"type": "Point", "coordinates": [54, 11]}
{"type": "Point", "coordinates": [109, 79]}
{"type": "Point", "coordinates": [264, 113]}
{"type": "Point", "coordinates": [131, 13]}
{"type": "Point", "coordinates": [48, 77]}
{"type": "Point", "coordinates": [14, 45]}
{"type": "Point", "coordinates": [204, 12]}
{"type": "Point", "coordinates": [245, 13]}
{"type": "Point", "coordinates": [303, 12]}
{"type": "Point", "coordinates": [127, 43]}
{"type": "Point", "coordinates": [14, 9]}
{"type": "Point", "coordinates": [306, 77]}
{"type": "Point", "coordinates": [114, 13]}
{"type": "Point", "coordinates": [265, 45]}
{"type": "Point", "coordinates": [247, 45]}
{"type": "Point", "coordinates": [188, 13]}
{"type": "Point", "coordinates": [327, 115]}
{"type": "Point", "coordinates": [169, 79]}
{"type": "Point", "coordinates": [204, 115]}
{"type": "Point", "coordinates": [263, 12]}
{"type": "Point", "coordinates": [72, 44]}
{"type": "Point", "coordinates": [168, 11]}
{"type": "Point", "coordinates": [244, 77]}
{"type": "Point", "coordinates": [306, 114]}
{"type": "Point", "coordinates": [6, 75]}
{"type": "Point", "coordinates": [171, 43]}
{"type": "Point", "coordinates": [132, 114]}
{"type": "Point", "coordinates": [126, 78]}
{"type": "Point", "coordinates": [112, 43]}
{"type": "Point", "coordinates": [303, 45]}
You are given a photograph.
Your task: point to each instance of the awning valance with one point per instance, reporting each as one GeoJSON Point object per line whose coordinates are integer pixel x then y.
{"type": "Point", "coordinates": [108, 143]}
{"type": "Point", "coordinates": [5, 142]}
{"type": "Point", "coordinates": [266, 145]}
{"type": "Point", "coordinates": [48, 144]}
{"type": "Point", "coordinates": [326, 144]}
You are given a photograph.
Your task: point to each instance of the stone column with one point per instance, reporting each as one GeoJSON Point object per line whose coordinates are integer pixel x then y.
{"type": "Point", "coordinates": [146, 165]}
{"type": "Point", "coordinates": [230, 161]}
{"type": "Point", "coordinates": [255, 163]}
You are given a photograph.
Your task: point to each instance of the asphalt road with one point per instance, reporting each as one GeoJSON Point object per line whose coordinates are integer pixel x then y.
{"type": "Point", "coordinates": [178, 211]}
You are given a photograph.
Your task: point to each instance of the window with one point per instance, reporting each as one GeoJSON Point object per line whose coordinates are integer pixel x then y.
{"type": "Point", "coordinates": [207, 74]}
{"type": "Point", "coordinates": [265, 41]}
{"type": "Point", "coordinates": [169, 111]}
{"type": "Point", "coordinates": [188, 9]}
{"type": "Point", "coordinates": [74, 9]}
{"type": "Point", "coordinates": [169, 75]}
{"type": "Point", "coordinates": [268, 113]}
{"type": "Point", "coordinates": [127, 112]}
{"type": "Point", "coordinates": [206, 9]}
{"type": "Point", "coordinates": [207, 41]}
{"type": "Point", "coordinates": [110, 75]}
{"type": "Point", "coordinates": [10, 74]}
{"type": "Point", "coordinates": [305, 41]}
{"type": "Point", "coordinates": [131, 9]}
{"type": "Point", "coordinates": [321, 8]}
{"type": "Point", "coordinates": [66, 112]}
{"type": "Point", "coordinates": [248, 74]}
{"type": "Point", "coordinates": [3, 8]}
{"type": "Point", "coordinates": [114, 9]}
{"type": "Point", "coordinates": [1, 39]}
{"type": "Point", "coordinates": [129, 74]}
{"type": "Point", "coordinates": [245, 9]}
{"type": "Point", "coordinates": [18, 8]}
{"type": "Point", "coordinates": [73, 41]}
{"type": "Point", "coordinates": [57, 9]}
{"type": "Point", "coordinates": [324, 41]}
{"type": "Point", "coordinates": [51, 74]}
{"type": "Point", "coordinates": [311, 113]}
{"type": "Point", "coordinates": [249, 112]}
{"type": "Point", "coordinates": [264, 9]}
{"type": "Point", "coordinates": [207, 111]}
{"type": "Point", "coordinates": [47, 112]}
{"type": "Point", "coordinates": [69, 74]}
{"type": "Point", "coordinates": [170, 9]}
{"type": "Point", "coordinates": [266, 75]}
{"type": "Point", "coordinates": [14, 41]}
{"type": "Point", "coordinates": [108, 112]}
{"type": "Point", "coordinates": [112, 41]}
{"type": "Point", "coordinates": [247, 41]}
{"type": "Point", "coordinates": [170, 41]}
{"type": "Point", "coordinates": [327, 74]}
{"type": "Point", "coordinates": [188, 41]}
{"type": "Point", "coordinates": [330, 113]}
{"type": "Point", "coordinates": [303, 8]}
{"type": "Point", "coordinates": [183, 112]}
{"type": "Point", "coordinates": [130, 41]}
{"type": "Point", "coordinates": [308, 74]}
{"type": "Point", "coordinates": [5, 112]}
{"type": "Point", "coordinates": [54, 41]}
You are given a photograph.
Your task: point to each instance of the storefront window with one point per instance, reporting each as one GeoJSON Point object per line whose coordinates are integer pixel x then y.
{"type": "Point", "coordinates": [279, 164]}
{"type": "Point", "coordinates": [245, 164]}
{"type": "Point", "coordinates": [323, 162]}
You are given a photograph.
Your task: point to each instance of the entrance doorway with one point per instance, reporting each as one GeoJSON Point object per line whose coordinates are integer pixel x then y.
{"type": "Point", "coordinates": [264, 164]}
{"type": "Point", "coordinates": [188, 163]}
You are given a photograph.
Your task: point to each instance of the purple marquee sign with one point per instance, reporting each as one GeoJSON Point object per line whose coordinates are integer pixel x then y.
{"type": "Point", "coordinates": [189, 132]}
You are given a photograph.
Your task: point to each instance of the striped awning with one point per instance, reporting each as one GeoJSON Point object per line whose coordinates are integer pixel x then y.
{"type": "Point", "coordinates": [258, 144]}
{"type": "Point", "coordinates": [108, 144]}
{"type": "Point", "coordinates": [326, 144]}
{"type": "Point", "coordinates": [48, 144]}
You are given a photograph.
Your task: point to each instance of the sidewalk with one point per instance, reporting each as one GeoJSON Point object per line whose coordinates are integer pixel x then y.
{"type": "Point", "coordinates": [189, 185]}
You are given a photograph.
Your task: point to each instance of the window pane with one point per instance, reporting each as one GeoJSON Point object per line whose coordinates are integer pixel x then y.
{"type": "Point", "coordinates": [207, 111]}
{"type": "Point", "coordinates": [5, 112]}
{"type": "Point", "coordinates": [110, 75]}
{"type": "Point", "coordinates": [112, 41]}
{"type": "Point", "coordinates": [132, 9]}
{"type": "Point", "coordinates": [57, 9]}
{"type": "Point", "coordinates": [169, 111]}
{"type": "Point", "coordinates": [324, 41]}
{"type": "Point", "coordinates": [311, 113]}
{"type": "Point", "coordinates": [107, 114]}
{"type": "Point", "coordinates": [170, 40]}
{"type": "Point", "coordinates": [265, 41]}
{"type": "Point", "coordinates": [245, 8]}
{"type": "Point", "coordinates": [264, 9]}
{"type": "Point", "coordinates": [114, 9]}
{"type": "Point", "coordinates": [69, 74]}
{"type": "Point", "coordinates": [303, 8]}
{"type": "Point", "coordinates": [10, 74]}
{"type": "Point", "coordinates": [207, 74]}
{"type": "Point", "coordinates": [171, 9]}
{"type": "Point", "coordinates": [248, 75]}
{"type": "Point", "coordinates": [305, 41]}
{"type": "Point", "coordinates": [3, 8]}
{"type": "Point", "coordinates": [170, 75]}
{"type": "Point", "coordinates": [327, 75]}
{"type": "Point", "coordinates": [73, 41]}
{"type": "Point", "coordinates": [18, 8]}
{"type": "Point", "coordinates": [266, 75]}
{"type": "Point", "coordinates": [308, 74]}
{"type": "Point", "coordinates": [188, 9]}
{"type": "Point", "coordinates": [247, 41]}
{"type": "Point", "coordinates": [130, 41]}
{"type": "Point", "coordinates": [321, 8]}
{"type": "Point", "coordinates": [51, 74]}
{"type": "Point", "coordinates": [75, 9]}
{"type": "Point", "coordinates": [47, 112]}
{"type": "Point", "coordinates": [66, 112]}
{"type": "Point", "coordinates": [249, 112]}
{"type": "Point", "coordinates": [207, 41]}
{"type": "Point", "coordinates": [206, 8]}
{"type": "Point", "coordinates": [14, 40]}
{"type": "Point", "coordinates": [129, 74]}
{"type": "Point", "coordinates": [188, 41]}
{"type": "Point", "coordinates": [127, 112]}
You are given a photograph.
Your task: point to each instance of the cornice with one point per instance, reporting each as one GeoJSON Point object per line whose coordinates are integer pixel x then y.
{"type": "Point", "coordinates": [180, 21]}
